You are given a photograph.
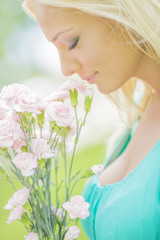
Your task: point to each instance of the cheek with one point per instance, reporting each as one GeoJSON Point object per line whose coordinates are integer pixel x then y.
{"type": "Point", "coordinates": [91, 53]}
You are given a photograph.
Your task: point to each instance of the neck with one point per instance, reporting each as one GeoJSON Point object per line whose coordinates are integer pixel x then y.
{"type": "Point", "coordinates": [149, 71]}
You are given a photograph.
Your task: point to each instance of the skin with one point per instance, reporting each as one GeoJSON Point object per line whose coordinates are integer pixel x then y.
{"type": "Point", "coordinates": [103, 47]}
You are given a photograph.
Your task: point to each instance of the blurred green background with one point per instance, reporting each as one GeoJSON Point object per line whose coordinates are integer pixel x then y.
{"type": "Point", "coordinates": [20, 60]}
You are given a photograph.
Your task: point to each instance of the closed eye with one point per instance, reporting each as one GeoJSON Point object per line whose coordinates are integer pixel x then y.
{"type": "Point", "coordinates": [76, 39]}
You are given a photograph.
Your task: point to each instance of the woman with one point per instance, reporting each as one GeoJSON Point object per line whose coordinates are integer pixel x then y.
{"type": "Point", "coordinates": [114, 44]}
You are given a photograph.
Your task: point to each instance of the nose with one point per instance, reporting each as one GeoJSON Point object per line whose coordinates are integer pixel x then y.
{"type": "Point", "coordinates": [69, 66]}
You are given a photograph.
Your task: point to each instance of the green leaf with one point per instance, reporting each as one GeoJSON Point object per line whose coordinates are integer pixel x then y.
{"type": "Point", "coordinates": [25, 220]}
{"type": "Point", "coordinates": [3, 173]}
{"type": "Point", "coordinates": [27, 207]}
{"type": "Point", "coordinates": [60, 184]}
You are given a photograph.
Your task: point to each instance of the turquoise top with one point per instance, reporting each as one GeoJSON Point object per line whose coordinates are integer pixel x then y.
{"type": "Point", "coordinates": [128, 209]}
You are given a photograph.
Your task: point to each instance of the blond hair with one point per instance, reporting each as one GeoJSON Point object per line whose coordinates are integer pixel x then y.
{"type": "Point", "coordinates": [140, 19]}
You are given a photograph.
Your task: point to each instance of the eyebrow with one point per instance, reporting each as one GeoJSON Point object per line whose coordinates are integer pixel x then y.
{"type": "Point", "coordinates": [57, 35]}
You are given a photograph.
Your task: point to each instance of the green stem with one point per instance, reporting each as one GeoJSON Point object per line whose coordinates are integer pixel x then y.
{"type": "Point", "coordinates": [21, 123]}
{"type": "Point", "coordinates": [50, 135]}
{"type": "Point", "coordinates": [74, 150]}
{"type": "Point", "coordinates": [56, 179]}
{"type": "Point", "coordinates": [65, 163]}
{"type": "Point", "coordinates": [29, 136]}
{"type": "Point", "coordinates": [11, 183]}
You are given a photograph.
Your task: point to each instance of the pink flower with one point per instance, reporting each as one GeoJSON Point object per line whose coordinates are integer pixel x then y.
{"type": "Point", "coordinates": [32, 236]}
{"type": "Point", "coordinates": [89, 92]}
{"type": "Point", "coordinates": [15, 214]}
{"type": "Point", "coordinates": [77, 207]}
{"type": "Point", "coordinates": [60, 213]}
{"type": "Point", "coordinates": [74, 84]}
{"type": "Point", "coordinates": [11, 92]}
{"type": "Point", "coordinates": [9, 132]}
{"type": "Point", "coordinates": [61, 113]}
{"type": "Point", "coordinates": [28, 102]}
{"type": "Point", "coordinates": [57, 96]}
{"type": "Point", "coordinates": [19, 198]}
{"type": "Point", "coordinates": [40, 183]}
{"type": "Point", "coordinates": [97, 169]}
{"type": "Point", "coordinates": [18, 144]}
{"type": "Point", "coordinates": [3, 110]}
{"type": "Point", "coordinates": [41, 149]}
{"type": "Point", "coordinates": [26, 163]}
{"type": "Point", "coordinates": [14, 116]}
{"type": "Point", "coordinates": [72, 233]}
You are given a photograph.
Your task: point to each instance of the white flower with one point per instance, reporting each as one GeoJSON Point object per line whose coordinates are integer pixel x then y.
{"type": "Point", "coordinates": [77, 207]}
{"type": "Point", "coordinates": [15, 214]}
{"type": "Point", "coordinates": [72, 233]}
{"type": "Point", "coordinates": [19, 198]}
{"type": "Point", "coordinates": [97, 168]}
{"type": "Point", "coordinates": [32, 236]}
{"type": "Point", "coordinates": [25, 162]}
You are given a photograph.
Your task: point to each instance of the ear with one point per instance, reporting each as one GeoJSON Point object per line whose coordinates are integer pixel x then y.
{"type": "Point", "coordinates": [29, 7]}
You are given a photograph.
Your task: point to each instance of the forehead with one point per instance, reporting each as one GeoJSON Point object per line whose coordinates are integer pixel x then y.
{"type": "Point", "coordinates": [59, 17]}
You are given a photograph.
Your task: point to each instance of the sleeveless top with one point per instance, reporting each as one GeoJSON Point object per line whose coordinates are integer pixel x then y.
{"type": "Point", "coordinates": [130, 208]}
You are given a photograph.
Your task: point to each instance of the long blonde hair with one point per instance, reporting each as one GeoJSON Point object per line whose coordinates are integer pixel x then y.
{"type": "Point", "coordinates": [140, 19]}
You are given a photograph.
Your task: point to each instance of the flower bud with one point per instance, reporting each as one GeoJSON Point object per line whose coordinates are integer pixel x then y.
{"type": "Point", "coordinates": [40, 119]}
{"type": "Point", "coordinates": [42, 163]}
{"type": "Point", "coordinates": [87, 103]}
{"type": "Point", "coordinates": [87, 173]}
{"type": "Point", "coordinates": [24, 149]}
{"type": "Point", "coordinates": [73, 97]}
{"type": "Point", "coordinates": [28, 115]}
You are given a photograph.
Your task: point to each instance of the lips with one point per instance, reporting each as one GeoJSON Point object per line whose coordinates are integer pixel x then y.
{"type": "Point", "coordinates": [90, 78]}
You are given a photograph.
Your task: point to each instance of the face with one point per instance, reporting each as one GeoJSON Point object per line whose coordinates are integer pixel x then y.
{"type": "Point", "coordinates": [89, 46]}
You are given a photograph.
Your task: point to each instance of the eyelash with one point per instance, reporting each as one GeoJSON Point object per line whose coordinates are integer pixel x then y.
{"type": "Point", "coordinates": [74, 44]}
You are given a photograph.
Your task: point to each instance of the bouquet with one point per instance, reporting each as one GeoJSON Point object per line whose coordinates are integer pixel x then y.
{"type": "Point", "coordinates": [36, 136]}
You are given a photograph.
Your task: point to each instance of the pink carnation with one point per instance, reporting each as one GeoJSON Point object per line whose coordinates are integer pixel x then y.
{"type": "Point", "coordinates": [32, 236]}
{"type": "Point", "coordinates": [18, 144]}
{"type": "Point", "coordinates": [89, 92]}
{"type": "Point", "coordinates": [77, 207]}
{"type": "Point", "coordinates": [60, 113]}
{"type": "Point", "coordinates": [72, 233]}
{"type": "Point", "coordinates": [3, 110]}
{"type": "Point", "coordinates": [15, 214]}
{"type": "Point", "coordinates": [14, 116]}
{"type": "Point", "coordinates": [40, 148]}
{"type": "Point", "coordinates": [60, 213]}
{"type": "Point", "coordinates": [26, 163]}
{"type": "Point", "coordinates": [19, 198]}
{"type": "Point", "coordinates": [28, 102]}
{"type": "Point", "coordinates": [10, 131]}
{"type": "Point", "coordinates": [11, 92]}
{"type": "Point", "coordinates": [74, 84]}
{"type": "Point", "coordinates": [40, 183]}
{"type": "Point", "coordinates": [57, 96]}
{"type": "Point", "coordinates": [97, 169]}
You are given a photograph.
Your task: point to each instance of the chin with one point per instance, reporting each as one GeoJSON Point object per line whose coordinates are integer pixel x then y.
{"type": "Point", "coordinates": [104, 90]}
